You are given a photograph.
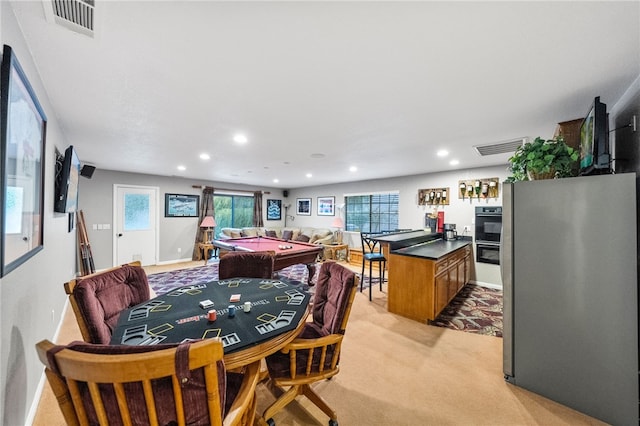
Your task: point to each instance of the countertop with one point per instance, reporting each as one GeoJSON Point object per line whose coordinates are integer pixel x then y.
{"type": "Point", "coordinates": [433, 250]}
{"type": "Point", "coordinates": [406, 238]}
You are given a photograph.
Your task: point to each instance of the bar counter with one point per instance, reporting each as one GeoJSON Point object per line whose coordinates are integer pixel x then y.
{"type": "Point", "coordinates": [425, 277]}
{"type": "Point", "coordinates": [433, 250]}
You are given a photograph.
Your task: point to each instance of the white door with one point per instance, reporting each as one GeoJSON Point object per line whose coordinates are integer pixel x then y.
{"type": "Point", "coordinates": [136, 224]}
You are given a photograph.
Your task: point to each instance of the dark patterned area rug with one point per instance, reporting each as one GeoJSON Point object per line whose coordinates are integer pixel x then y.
{"type": "Point", "coordinates": [163, 282]}
{"type": "Point", "coordinates": [475, 309]}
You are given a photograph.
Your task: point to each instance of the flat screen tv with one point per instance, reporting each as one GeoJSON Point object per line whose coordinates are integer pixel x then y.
{"type": "Point", "coordinates": [67, 177]}
{"type": "Point", "coordinates": [594, 141]}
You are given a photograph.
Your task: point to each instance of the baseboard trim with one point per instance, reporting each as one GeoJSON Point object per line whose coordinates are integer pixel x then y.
{"type": "Point", "coordinates": [170, 262]}
{"type": "Point", "coordinates": [488, 285]}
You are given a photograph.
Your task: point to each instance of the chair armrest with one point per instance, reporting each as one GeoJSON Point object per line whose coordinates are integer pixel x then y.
{"type": "Point", "coordinates": [244, 403]}
{"type": "Point", "coordinates": [300, 344]}
{"type": "Point", "coordinates": [58, 385]}
{"type": "Point", "coordinates": [316, 350]}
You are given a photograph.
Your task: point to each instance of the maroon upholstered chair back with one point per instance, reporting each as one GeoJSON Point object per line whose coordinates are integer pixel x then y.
{"type": "Point", "coordinates": [257, 264]}
{"type": "Point", "coordinates": [333, 290]}
{"type": "Point", "coordinates": [100, 297]}
{"type": "Point", "coordinates": [314, 354]}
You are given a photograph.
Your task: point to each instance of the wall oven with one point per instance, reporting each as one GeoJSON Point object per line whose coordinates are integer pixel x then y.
{"type": "Point", "coordinates": [488, 229]}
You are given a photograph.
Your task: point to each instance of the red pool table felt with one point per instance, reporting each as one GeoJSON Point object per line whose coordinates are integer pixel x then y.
{"type": "Point", "coordinates": [299, 252]}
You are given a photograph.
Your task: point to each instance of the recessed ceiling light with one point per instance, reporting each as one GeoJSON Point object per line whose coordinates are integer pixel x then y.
{"type": "Point", "coordinates": [353, 169]}
{"type": "Point", "coordinates": [204, 156]}
{"type": "Point", "coordinates": [442, 153]}
{"type": "Point", "coordinates": [276, 180]}
{"type": "Point", "coordinates": [309, 175]}
{"type": "Point", "coordinates": [454, 162]}
{"type": "Point", "coordinates": [182, 168]}
{"type": "Point", "coordinates": [240, 138]}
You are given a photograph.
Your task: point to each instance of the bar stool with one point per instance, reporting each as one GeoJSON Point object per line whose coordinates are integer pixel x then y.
{"type": "Point", "coordinates": [372, 253]}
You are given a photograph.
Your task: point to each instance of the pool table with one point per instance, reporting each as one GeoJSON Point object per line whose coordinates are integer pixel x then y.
{"type": "Point", "coordinates": [296, 251]}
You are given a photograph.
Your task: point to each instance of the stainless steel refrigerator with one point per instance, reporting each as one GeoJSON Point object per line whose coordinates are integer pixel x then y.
{"type": "Point", "coordinates": [570, 277]}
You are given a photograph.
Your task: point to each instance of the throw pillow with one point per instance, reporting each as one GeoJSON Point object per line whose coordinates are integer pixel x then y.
{"type": "Point", "coordinates": [315, 238]}
{"type": "Point", "coordinates": [303, 238]}
{"type": "Point", "coordinates": [287, 234]}
{"type": "Point", "coordinates": [271, 233]}
{"type": "Point", "coordinates": [235, 234]}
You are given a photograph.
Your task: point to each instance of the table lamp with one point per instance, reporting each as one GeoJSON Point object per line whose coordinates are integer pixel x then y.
{"type": "Point", "coordinates": [208, 222]}
{"type": "Point", "coordinates": [338, 223]}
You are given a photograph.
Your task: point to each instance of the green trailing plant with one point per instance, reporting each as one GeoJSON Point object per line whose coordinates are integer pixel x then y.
{"type": "Point", "coordinates": [551, 158]}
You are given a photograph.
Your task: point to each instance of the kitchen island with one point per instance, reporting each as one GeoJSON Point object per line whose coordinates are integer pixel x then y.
{"type": "Point", "coordinates": [394, 240]}
{"type": "Point", "coordinates": [424, 278]}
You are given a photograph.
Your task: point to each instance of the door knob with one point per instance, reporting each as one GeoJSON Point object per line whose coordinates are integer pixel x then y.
{"type": "Point", "coordinates": [119, 235]}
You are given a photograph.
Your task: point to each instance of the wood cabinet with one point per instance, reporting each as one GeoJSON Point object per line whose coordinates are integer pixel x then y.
{"type": "Point", "coordinates": [420, 288]}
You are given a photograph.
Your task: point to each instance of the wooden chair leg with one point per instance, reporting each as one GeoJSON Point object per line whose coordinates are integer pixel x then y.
{"type": "Point", "coordinates": [282, 402]}
{"type": "Point", "coordinates": [319, 402]}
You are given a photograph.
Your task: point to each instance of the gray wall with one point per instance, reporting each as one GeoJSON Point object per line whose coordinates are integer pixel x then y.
{"type": "Point", "coordinates": [32, 297]}
{"type": "Point", "coordinates": [459, 211]}
{"type": "Point", "coordinates": [96, 202]}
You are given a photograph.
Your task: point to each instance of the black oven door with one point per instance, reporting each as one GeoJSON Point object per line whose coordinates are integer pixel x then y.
{"type": "Point", "coordinates": [488, 224]}
{"type": "Point", "coordinates": [488, 253]}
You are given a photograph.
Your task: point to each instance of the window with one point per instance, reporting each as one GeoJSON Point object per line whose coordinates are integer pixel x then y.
{"type": "Point", "coordinates": [136, 212]}
{"type": "Point", "coordinates": [372, 213]}
{"type": "Point", "coordinates": [233, 211]}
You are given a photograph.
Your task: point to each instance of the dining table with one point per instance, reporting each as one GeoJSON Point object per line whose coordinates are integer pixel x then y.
{"type": "Point", "coordinates": [253, 317]}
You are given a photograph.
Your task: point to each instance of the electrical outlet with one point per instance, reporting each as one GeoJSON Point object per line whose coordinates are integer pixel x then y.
{"type": "Point", "coordinates": [53, 315]}
{"type": "Point", "coordinates": [179, 249]}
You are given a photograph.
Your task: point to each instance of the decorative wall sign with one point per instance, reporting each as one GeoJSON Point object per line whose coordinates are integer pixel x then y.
{"type": "Point", "coordinates": [274, 209]}
{"type": "Point", "coordinates": [303, 206]}
{"type": "Point", "coordinates": [326, 206]}
{"type": "Point", "coordinates": [433, 197]}
{"type": "Point", "coordinates": [479, 188]}
{"type": "Point", "coordinates": [181, 205]}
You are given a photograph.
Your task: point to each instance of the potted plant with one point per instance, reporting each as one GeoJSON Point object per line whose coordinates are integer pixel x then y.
{"type": "Point", "coordinates": [543, 159]}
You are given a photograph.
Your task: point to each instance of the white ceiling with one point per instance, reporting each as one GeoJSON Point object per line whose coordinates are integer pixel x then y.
{"type": "Point", "coordinates": [377, 85]}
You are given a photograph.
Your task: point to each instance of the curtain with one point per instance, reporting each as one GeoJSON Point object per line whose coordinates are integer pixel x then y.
{"type": "Point", "coordinates": [206, 209]}
{"type": "Point", "coordinates": [257, 209]}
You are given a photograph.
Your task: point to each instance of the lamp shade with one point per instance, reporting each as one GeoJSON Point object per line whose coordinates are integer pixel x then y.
{"type": "Point", "coordinates": [208, 222]}
{"type": "Point", "coordinates": [337, 223]}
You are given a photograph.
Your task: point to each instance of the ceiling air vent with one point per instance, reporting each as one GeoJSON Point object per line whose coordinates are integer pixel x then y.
{"type": "Point", "coordinates": [500, 147]}
{"type": "Point", "coordinates": [76, 15]}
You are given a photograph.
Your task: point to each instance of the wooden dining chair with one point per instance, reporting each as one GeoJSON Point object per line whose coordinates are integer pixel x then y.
{"type": "Point", "coordinates": [372, 253]}
{"type": "Point", "coordinates": [98, 299]}
{"type": "Point", "coordinates": [314, 354]}
{"type": "Point", "coordinates": [256, 264]}
{"type": "Point", "coordinates": [149, 385]}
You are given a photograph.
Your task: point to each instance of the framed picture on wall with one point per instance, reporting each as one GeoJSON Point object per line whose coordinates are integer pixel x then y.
{"type": "Point", "coordinates": [274, 209]}
{"type": "Point", "coordinates": [326, 206]}
{"type": "Point", "coordinates": [303, 206]}
{"type": "Point", "coordinates": [181, 205]}
{"type": "Point", "coordinates": [23, 130]}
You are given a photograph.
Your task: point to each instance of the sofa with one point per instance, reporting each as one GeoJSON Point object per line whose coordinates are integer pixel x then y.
{"type": "Point", "coordinates": [307, 235]}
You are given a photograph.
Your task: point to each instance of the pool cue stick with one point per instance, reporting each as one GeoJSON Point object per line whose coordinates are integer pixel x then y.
{"type": "Point", "coordinates": [84, 265]}
{"type": "Point", "coordinates": [87, 244]}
